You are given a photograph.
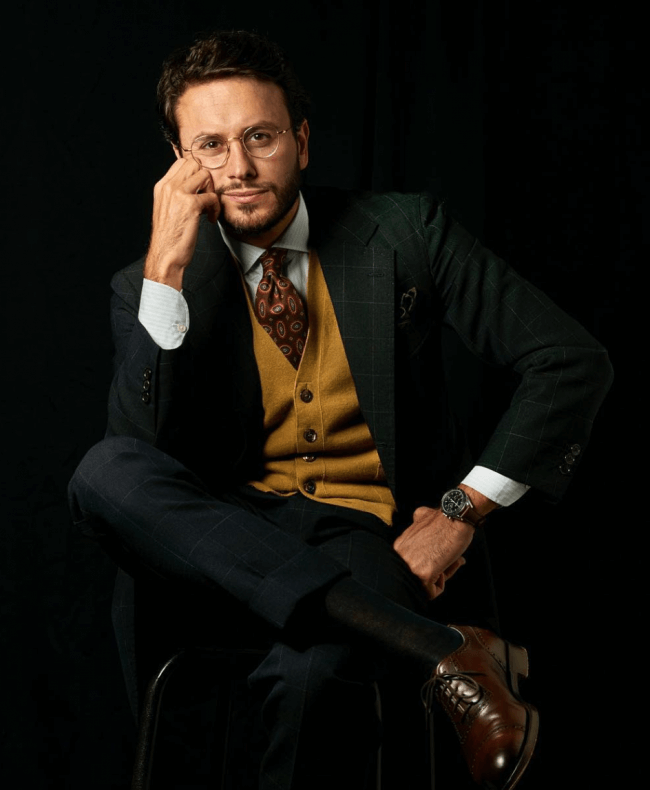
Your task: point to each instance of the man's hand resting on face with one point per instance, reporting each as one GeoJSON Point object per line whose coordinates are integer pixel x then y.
{"type": "Point", "coordinates": [180, 197]}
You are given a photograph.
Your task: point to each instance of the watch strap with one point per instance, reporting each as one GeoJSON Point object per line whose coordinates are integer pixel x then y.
{"type": "Point", "coordinates": [471, 516]}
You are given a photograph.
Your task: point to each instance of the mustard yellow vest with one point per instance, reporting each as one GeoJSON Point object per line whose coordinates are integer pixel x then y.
{"type": "Point", "coordinates": [316, 440]}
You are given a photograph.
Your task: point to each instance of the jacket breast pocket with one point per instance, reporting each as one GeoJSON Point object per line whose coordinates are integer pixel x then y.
{"type": "Point", "coordinates": [415, 318]}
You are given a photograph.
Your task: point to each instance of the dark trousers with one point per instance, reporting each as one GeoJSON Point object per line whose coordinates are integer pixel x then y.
{"type": "Point", "coordinates": [277, 556]}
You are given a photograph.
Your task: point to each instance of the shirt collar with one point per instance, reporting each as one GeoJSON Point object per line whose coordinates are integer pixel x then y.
{"type": "Point", "coordinates": [295, 237]}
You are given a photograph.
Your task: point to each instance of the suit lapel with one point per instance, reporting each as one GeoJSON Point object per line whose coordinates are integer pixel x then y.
{"type": "Point", "coordinates": [221, 336]}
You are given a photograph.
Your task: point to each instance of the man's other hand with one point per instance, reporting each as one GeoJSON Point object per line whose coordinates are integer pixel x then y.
{"type": "Point", "coordinates": [180, 197]}
{"type": "Point", "coordinates": [433, 546]}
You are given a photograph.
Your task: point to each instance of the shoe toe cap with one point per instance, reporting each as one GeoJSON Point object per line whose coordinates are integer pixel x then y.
{"type": "Point", "coordinates": [501, 758]}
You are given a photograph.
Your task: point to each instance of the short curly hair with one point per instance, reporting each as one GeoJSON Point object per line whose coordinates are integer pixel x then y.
{"type": "Point", "coordinates": [236, 53]}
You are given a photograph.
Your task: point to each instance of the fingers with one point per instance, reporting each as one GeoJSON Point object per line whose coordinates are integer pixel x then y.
{"type": "Point", "coordinates": [187, 166]}
{"type": "Point", "coordinates": [451, 570]}
{"type": "Point", "coordinates": [181, 170]}
{"type": "Point", "coordinates": [437, 586]}
{"type": "Point", "coordinates": [214, 209]}
{"type": "Point", "coordinates": [195, 180]}
{"type": "Point", "coordinates": [184, 193]}
{"type": "Point", "coordinates": [432, 546]}
{"type": "Point", "coordinates": [209, 205]}
{"type": "Point", "coordinates": [185, 176]}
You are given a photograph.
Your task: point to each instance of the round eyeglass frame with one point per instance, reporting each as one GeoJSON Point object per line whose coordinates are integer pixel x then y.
{"type": "Point", "coordinates": [202, 163]}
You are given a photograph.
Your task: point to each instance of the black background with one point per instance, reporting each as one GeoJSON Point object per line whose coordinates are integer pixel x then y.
{"type": "Point", "coordinates": [524, 116]}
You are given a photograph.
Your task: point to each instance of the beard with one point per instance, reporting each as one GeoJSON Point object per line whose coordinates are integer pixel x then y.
{"type": "Point", "coordinates": [248, 221]}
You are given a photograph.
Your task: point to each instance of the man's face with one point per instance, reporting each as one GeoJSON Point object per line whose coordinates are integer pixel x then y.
{"type": "Point", "coordinates": [258, 196]}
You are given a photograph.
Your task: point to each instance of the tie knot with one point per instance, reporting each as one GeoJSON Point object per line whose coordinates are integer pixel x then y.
{"type": "Point", "coordinates": [273, 260]}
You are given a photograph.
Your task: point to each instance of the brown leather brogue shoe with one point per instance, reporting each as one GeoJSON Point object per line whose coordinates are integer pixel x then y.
{"type": "Point", "coordinates": [477, 687]}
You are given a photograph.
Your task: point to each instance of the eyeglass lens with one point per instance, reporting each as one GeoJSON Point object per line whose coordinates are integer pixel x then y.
{"type": "Point", "coordinates": [259, 142]}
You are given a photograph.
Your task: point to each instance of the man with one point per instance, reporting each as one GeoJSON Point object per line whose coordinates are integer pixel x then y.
{"type": "Point", "coordinates": [277, 423]}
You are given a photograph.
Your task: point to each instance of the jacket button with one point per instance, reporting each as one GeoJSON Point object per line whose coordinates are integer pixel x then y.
{"type": "Point", "coordinates": [575, 449]}
{"type": "Point", "coordinates": [310, 487]}
{"type": "Point", "coordinates": [306, 396]}
{"type": "Point", "coordinates": [310, 435]}
{"type": "Point", "coordinates": [565, 469]}
{"type": "Point", "coordinates": [147, 373]}
{"type": "Point", "coordinates": [570, 459]}
{"type": "Point", "coordinates": [145, 397]}
{"type": "Point", "coordinates": [146, 385]}
{"type": "Point", "coordinates": [309, 458]}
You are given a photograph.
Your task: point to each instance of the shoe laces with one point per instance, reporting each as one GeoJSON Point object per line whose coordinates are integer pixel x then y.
{"type": "Point", "coordinates": [461, 699]}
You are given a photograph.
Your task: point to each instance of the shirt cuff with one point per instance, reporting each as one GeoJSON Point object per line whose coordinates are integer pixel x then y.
{"type": "Point", "coordinates": [164, 314]}
{"type": "Point", "coordinates": [494, 486]}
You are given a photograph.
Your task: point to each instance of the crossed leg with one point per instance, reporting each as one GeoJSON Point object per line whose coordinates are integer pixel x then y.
{"type": "Point", "coordinates": [281, 557]}
{"type": "Point", "coordinates": [299, 564]}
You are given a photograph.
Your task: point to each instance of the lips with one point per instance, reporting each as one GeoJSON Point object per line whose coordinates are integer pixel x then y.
{"type": "Point", "coordinates": [244, 195]}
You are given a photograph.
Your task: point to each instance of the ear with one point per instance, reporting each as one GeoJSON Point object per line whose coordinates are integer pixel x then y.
{"type": "Point", "coordinates": [302, 139]}
{"type": "Point", "coordinates": [177, 151]}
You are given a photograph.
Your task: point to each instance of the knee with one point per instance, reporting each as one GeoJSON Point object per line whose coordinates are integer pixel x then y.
{"type": "Point", "coordinates": [96, 478]}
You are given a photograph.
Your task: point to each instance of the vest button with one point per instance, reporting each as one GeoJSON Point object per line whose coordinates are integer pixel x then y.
{"type": "Point", "coordinates": [310, 487]}
{"type": "Point", "coordinates": [309, 458]}
{"type": "Point", "coordinates": [306, 396]}
{"type": "Point", "coordinates": [310, 435]}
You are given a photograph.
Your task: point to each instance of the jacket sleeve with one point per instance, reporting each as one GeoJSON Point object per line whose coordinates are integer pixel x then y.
{"type": "Point", "coordinates": [565, 373]}
{"type": "Point", "coordinates": [141, 389]}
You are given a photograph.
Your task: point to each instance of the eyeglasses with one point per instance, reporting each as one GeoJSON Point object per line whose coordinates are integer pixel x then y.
{"type": "Point", "coordinates": [212, 151]}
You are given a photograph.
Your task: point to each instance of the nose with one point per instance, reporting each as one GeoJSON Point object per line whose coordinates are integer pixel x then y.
{"type": "Point", "coordinates": [240, 164]}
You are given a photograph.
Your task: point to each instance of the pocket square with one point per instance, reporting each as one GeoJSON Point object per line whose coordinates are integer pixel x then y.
{"type": "Point", "coordinates": [406, 305]}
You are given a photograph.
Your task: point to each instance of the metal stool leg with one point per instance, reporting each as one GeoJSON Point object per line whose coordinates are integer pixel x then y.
{"type": "Point", "coordinates": [152, 705]}
{"type": "Point", "coordinates": [149, 723]}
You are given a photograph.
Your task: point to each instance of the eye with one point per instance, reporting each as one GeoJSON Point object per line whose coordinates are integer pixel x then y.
{"type": "Point", "coordinates": [208, 145]}
{"type": "Point", "coordinates": [260, 137]}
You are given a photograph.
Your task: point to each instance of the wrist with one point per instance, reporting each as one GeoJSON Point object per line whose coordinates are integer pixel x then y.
{"type": "Point", "coordinates": [167, 273]}
{"type": "Point", "coordinates": [482, 504]}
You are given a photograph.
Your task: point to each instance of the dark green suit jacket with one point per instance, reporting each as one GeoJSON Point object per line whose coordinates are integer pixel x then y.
{"type": "Point", "coordinates": [398, 270]}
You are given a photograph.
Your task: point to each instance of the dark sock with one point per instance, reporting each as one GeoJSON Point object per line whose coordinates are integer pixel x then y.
{"type": "Point", "coordinates": [399, 631]}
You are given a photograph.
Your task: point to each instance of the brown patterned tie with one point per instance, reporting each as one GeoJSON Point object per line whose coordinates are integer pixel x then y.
{"type": "Point", "coordinates": [279, 307]}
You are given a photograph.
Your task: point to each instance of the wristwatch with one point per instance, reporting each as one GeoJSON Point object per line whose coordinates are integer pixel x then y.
{"type": "Point", "coordinates": [456, 504]}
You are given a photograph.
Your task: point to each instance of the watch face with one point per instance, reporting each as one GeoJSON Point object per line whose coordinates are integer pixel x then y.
{"type": "Point", "coordinates": [454, 502]}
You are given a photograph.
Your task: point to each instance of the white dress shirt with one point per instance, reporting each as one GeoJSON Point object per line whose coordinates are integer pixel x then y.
{"type": "Point", "coordinates": [164, 314]}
